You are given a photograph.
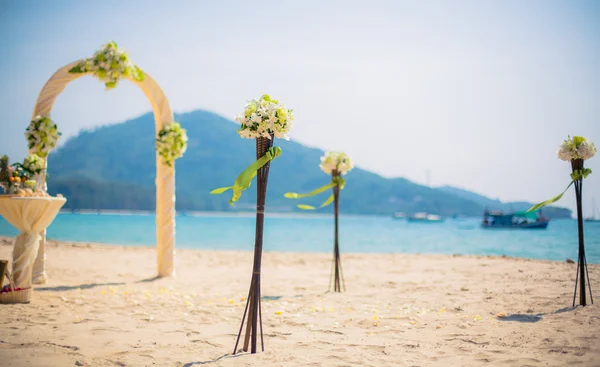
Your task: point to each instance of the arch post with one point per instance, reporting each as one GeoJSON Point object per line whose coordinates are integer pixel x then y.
{"type": "Point", "coordinates": [165, 175]}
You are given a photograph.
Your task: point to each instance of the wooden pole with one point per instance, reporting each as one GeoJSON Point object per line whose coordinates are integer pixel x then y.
{"type": "Point", "coordinates": [253, 306]}
{"type": "Point", "coordinates": [338, 280]}
{"type": "Point", "coordinates": [582, 273]}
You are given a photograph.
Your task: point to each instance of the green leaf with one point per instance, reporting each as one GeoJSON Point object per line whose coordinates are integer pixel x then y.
{"type": "Point", "coordinates": [221, 190]}
{"type": "Point", "coordinates": [549, 201]}
{"type": "Point", "coordinates": [294, 195]}
{"type": "Point", "coordinates": [76, 69]}
{"type": "Point", "coordinates": [306, 207]}
{"type": "Point", "coordinates": [328, 201]}
{"type": "Point", "coordinates": [138, 74]}
{"type": "Point", "coordinates": [243, 181]}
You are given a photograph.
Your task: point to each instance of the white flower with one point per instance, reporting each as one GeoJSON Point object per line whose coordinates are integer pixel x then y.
{"type": "Point", "coordinates": [110, 64]}
{"type": "Point", "coordinates": [264, 118]}
{"type": "Point", "coordinates": [577, 147]}
{"type": "Point", "coordinates": [586, 150]}
{"type": "Point", "coordinates": [336, 161]}
{"type": "Point", "coordinates": [42, 135]}
{"type": "Point", "coordinates": [34, 164]}
{"type": "Point", "coordinates": [171, 142]}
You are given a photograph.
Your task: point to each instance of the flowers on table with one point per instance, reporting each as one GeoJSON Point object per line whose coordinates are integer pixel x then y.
{"type": "Point", "coordinates": [17, 177]}
{"type": "Point", "coordinates": [171, 143]}
{"type": "Point", "coordinates": [110, 64]}
{"type": "Point", "coordinates": [265, 117]}
{"type": "Point", "coordinates": [42, 135]}
{"type": "Point", "coordinates": [334, 163]}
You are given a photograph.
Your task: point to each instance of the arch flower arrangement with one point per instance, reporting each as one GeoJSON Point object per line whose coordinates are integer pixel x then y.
{"type": "Point", "coordinates": [171, 143]}
{"type": "Point", "coordinates": [111, 64]}
{"type": "Point", "coordinates": [263, 119]}
{"type": "Point", "coordinates": [336, 164]}
{"type": "Point", "coordinates": [576, 150]}
{"type": "Point", "coordinates": [42, 135]}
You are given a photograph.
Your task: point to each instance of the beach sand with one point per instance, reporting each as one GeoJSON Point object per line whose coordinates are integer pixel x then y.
{"type": "Point", "coordinates": [102, 307]}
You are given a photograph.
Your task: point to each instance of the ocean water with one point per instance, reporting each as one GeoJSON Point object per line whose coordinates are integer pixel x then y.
{"type": "Point", "coordinates": [368, 234]}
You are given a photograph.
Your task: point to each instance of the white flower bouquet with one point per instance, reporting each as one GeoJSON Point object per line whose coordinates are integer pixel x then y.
{"type": "Point", "coordinates": [577, 147]}
{"type": "Point", "coordinates": [575, 150]}
{"type": "Point", "coordinates": [110, 64]}
{"type": "Point", "coordinates": [171, 142]}
{"type": "Point", "coordinates": [42, 135]}
{"type": "Point", "coordinates": [336, 162]}
{"type": "Point", "coordinates": [34, 164]}
{"type": "Point", "coordinates": [265, 117]}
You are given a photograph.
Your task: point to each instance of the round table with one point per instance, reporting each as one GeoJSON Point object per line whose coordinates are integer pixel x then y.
{"type": "Point", "coordinates": [31, 216]}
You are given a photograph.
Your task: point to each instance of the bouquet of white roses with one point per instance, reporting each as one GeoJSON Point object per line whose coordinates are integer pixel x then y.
{"type": "Point", "coordinates": [263, 118]}
{"type": "Point", "coordinates": [577, 147]}
{"type": "Point", "coordinates": [336, 161]}
{"type": "Point", "coordinates": [110, 64]}
{"type": "Point", "coordinates": [171, 142]}
{"type": "Point", "coordinates": [42, 135]}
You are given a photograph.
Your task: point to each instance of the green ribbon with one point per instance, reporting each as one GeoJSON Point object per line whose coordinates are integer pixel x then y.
{"type": "Point", "coordinates": [242, 182]}
{"type": "Point", "coordinates": [335, 181]}
{"type": "Point", "coordinates": [576, 175]}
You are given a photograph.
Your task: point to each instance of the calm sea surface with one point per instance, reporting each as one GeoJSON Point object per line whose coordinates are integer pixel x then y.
{"type": "Point", "coordinates": [315, 234]}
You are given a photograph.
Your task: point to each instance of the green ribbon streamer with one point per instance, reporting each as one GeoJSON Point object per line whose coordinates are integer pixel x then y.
{"type": "Point", "coordinates": [335, 181]}
{"type": "Point", "coordinates": [576, 175]}
{"type": "Point", "coordinates": [242, 182]}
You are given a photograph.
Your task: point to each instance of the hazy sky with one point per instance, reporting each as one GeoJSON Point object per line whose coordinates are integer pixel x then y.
{"type": "Point", "coordinates": [480, 93]}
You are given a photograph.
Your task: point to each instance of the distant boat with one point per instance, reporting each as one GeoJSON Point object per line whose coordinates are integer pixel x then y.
{"type": "Point", "coordinates": [425, 218]}
{"type": "Point", "coordinates": [517, 220]}
{"type": "Point", "coordinates": [593, 218]}
{"type": "Point", "coordinates": [398, 216]}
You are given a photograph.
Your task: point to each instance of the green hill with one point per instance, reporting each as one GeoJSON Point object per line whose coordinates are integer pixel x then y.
{"type": "Point", "coordinates": [113, 167]}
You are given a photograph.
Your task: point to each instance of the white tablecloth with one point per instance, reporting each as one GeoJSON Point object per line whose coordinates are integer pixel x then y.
{"type": "Point", "coordinates": [30, 215]}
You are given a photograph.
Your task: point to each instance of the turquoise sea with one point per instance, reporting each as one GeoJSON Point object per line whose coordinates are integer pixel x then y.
{"type": "Point", "coordinates": [365, 234]}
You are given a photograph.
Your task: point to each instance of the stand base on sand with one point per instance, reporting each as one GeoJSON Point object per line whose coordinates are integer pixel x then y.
{"type": "Point", "coordinates": [252, 305]}
{"type": "Point", "coordinates": [336, 275]}
{"type": "Point", "coordinates": [582, 265]}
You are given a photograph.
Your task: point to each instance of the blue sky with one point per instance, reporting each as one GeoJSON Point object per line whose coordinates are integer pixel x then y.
{"type": "Point", "coordinates": [478, 93]}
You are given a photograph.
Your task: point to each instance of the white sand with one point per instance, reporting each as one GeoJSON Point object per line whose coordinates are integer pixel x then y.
{"type": "Point", "coordinates": [101, 307]}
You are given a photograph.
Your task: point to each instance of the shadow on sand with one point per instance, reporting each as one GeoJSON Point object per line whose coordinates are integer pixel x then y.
{"type": "Point", "coordinates": [63, 288]}
{"type": "Point", "coordinates": [224, 356]}
{"type": "Point", "coordinates": [532, 318]}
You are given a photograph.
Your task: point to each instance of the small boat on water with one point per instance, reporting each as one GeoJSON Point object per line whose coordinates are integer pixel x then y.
{"type": "Point", "coordinates": [425, 218]}
{"type": "Point", "coordinates": [593, 218]}
{"type": "Point", "coordinates": [517, 220]}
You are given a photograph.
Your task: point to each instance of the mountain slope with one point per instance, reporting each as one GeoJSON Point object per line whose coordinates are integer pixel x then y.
{"type": "Point", "coordinates": [114, 161]}
{"type": "Point", "coordinates": [495, 204]}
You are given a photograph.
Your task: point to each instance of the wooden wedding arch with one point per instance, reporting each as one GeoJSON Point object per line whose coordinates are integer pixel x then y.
{"type": "Point", "coordinates": [165, 175]}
